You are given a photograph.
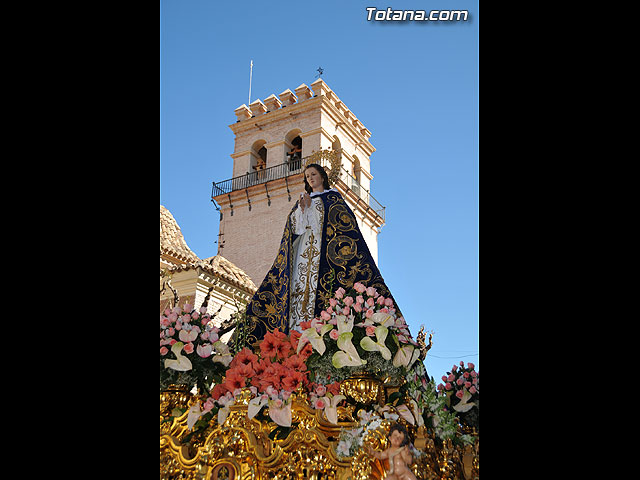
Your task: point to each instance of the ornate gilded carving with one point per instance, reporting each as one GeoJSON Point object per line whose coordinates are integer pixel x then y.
{"type": "Point", "coordinates": [241, 448]}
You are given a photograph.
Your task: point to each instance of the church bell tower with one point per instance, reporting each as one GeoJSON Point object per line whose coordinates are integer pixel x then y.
{"type": "Point", "coordinates": [274, 138]}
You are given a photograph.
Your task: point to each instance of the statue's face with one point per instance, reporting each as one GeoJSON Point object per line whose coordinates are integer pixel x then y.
{"type": "Point", "coordinates": [396, 438]}
{"type": "Point", "coordinates": [314, 179]}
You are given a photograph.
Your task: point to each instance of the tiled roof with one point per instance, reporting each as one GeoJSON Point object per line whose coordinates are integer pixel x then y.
{"type": "Point", "coordinates": [171, 239]}
{"type": "Point", "coordinates": [173, 244]}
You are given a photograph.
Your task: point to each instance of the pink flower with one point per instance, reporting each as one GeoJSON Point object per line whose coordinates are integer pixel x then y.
{"type": "Point", "coordinates": [348, 301]}
{"type": "Point", "coordinates": [388, 302]}
{"type": "Point", "coordinates": [460, 381]}
{"type": "Point", "coordinates": [454, 368]}
{"type": "Point", "coordinates": [359, 287]}
{"type": "Point", "coordinates": [165, 322]}
{"type": "Point", "coordinates": [370, 302]}
{"type": "Point", "coordinates": [333, 302]}
{"type": "Point", "coordinates": [371, 331]}
{"type": "Point", "coordinates": [473, 373]}
{"type": "Point", "coordinates": [277, 403]}
{"type": "Point", "coordinates": [465, 374]}
{"type": "Point", "coordinates": [440, 387]}
{"type": "Point", "coordinates": [319, 404]}
{"type": "Point", "coordinates": [325, 316]}
{"type": "Point", "coordinates": [359, 299]}
{"type": "Point", "coordinates": [467, 384]}
{"type": "Point", "coordinates": [334, 334]}
{"type": "Point", "coordinates": [371, 291]}
{"type": "Point", "coordinates": [451, 378]}
{"type": "Point", "coordinates": [369, 313]}
{"type": "Point", "coordinates": [380, 300]}
{"type": "Point", "coordinates": [330, 309]}
{"type": "Point", "coordinates": [384, 310]}
{"type": "Point", "coordinates": [447, 386]}
{"type": "Point", "coordinates": [188, 348]}
{"type": "Point", "coordinates": [444, 378]}
{"type": "Point", "coordinates": [187, 307]}
{"type": "Point", "coordinates": [461, 363]}
{"type": "Point", "coordinates": [164, 351]}
{"type": "Point", "coordinates": [471, 365]}
{"type": "Point", "coordinates": [321, 390]}
{"type": "Point", "coordinates": [459, 393]}
{"type": "Point", "coordinates": [357, 308]}
{"type": "Point", "coordinates": [346, 311]}
{"type": "Point", "coordinates": [340, 292]}
{"type": "Point", "coordinates": [472, 390]}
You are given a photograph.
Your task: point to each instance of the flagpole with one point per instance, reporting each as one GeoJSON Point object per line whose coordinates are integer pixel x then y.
{"type": "Point", "coordinates": [250, 76]}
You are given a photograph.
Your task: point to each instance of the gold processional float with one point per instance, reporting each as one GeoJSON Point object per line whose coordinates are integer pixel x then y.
{"type": "Point", "coordinates": [321, 440]}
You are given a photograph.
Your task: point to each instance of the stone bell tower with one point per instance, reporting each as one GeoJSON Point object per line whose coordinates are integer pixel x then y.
{"type": "Point", "coordinates": [273, 137]}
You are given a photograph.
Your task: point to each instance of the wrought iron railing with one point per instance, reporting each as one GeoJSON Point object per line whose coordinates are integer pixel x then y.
{"type": "Point", "coordinates": [286, 170]}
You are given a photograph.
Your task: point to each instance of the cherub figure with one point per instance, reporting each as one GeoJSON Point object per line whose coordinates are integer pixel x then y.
{"type": "Point", "coordinates": [398, 454]}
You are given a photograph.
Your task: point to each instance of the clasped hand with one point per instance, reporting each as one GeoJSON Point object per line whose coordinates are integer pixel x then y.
{"type": "Point", "coordinates": [305, 201]}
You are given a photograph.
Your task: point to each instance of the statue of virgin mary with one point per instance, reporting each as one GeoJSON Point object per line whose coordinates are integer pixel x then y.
{"type": "Point", "coordinates": [322, 249]}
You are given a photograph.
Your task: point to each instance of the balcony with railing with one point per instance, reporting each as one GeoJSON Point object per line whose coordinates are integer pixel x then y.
{"type": "Point", "coordinates": [286, 170]}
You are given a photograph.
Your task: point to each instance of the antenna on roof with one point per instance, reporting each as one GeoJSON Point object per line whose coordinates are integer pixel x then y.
{"type": "Point", "coordinates": [250, 75]}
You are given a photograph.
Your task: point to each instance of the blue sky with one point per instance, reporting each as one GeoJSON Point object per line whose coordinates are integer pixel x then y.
{"type": "Point", "coordinates": [413, 85]}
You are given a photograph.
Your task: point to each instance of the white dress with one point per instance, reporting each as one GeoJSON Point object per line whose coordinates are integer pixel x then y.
{"type": "Point", "coordinates": [305, 261]}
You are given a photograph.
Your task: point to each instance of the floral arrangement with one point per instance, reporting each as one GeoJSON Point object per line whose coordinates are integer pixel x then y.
{"type": "Point", "coordinates": [190, 350]}
{"type": "Point", "coordinates": [461, 389]}
{"type": "Point", "coordinates": [359, 330]}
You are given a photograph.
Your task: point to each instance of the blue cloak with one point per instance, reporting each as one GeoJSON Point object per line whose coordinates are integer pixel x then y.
{"type": "Point", "coordinates": [344, 260]}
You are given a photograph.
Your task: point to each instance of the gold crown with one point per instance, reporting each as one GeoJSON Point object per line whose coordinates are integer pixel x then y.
{"type": "Point", "coordinates": [329, 160]}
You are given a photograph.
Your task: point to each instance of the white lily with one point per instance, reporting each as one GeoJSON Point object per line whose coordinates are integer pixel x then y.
{"type": "Point", "coordinates": [416, 412]}
{"type": "Point", "coordinates": [182, 364]}
{"type": "Point", "coordinates": [315, 338]}
{"type": "Point", "coordinates": [344, 323]}
{"type": "Point", "coordinates": [282, 415]}
{"type": "Point", "coordinates": [194, 414]}
{"type": "Point", "coordinates": [370, 346]}
{"type": "Point", "coordinates": [188, 336]}
{"type": "Point", "coordinates": [256, 404]}
{"type": "Point", "coordinates": [331, 407]}
{"type": "Point", "coordinates": [405, 413]}
{"type": "Point", "coordinates": [384, 319]}
{"type": "Point", "coordinates": [405, 356]}
{"type": "Point", "coordinates": [463, 406]}
{"type": "Point", "coordinates": [347, 356]}
{"type": "Point", "coordinates": [223, 355]}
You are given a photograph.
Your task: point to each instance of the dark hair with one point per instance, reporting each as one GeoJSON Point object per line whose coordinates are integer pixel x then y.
{"type": "Point", "coordinates": [402, 429]}
{"type": "Point", "coordinates": [323, 174]}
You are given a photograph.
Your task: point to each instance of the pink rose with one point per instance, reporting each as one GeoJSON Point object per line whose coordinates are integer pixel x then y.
{"type": "Point", "coordinates": [329, 310]}
{"type": "Point", "coordinates": [461, 363]}
{"type": "Point", "coordinates": [473, 373]}
{"type": "Point", "coordinates": [357, 307]}
{"type": "Point", "coordinates": [319, 404]}
{"type": "Point", "coordinates": [451, 378]}
{"type": "Point", "coordinates": [369, 313]}
{"type": "Point", "coordinates": [388, 302]}
{"type": "Point", "coordinates": [325, 316]}
{"type": "Point", "coordinates": [465, 374]}
{"type": "Point", "coordinates": [371, 302]}
{"type": "Point", "coordinates": [188, 348]}
{"type": "Point", "coordinates": [164, 351]}
{"type": "Point", "coordinates": [467, 384]}
{"type": "Point", "coordinates": [444, 378]}
{"type": "Point", "coordinates": [340, 292]}
{"type": "Point", "coordinates": [359, 299]}
{"type": "Point", "coordinates": [447, 386]}
{"type": "Point", "coordinates": [359, 287]}
{"type": "Point", "coordinates": [277, 403]}
{"type": "Point", "coordinates": [454, 368]}
{"type": "Point", "coordinates": [333, 302]}
{"type": "Point", "coordinates": [380, 300]}
{"type": "Point", "coordinates": [384, 310]}
{"type": "Point", "coordinates": [472, 390]}
{"type": "Point", "coordinates": [471, 366]}
{"type": "Point", "coordinates": [165, 322]}
{"type": "Point", "coordinates": [371, 331]}
{"type": "Point", "coordinates": [460, 381]}
{"type": "Point", "coordinates": [459, 394]}
{"type": "Point", "coordinates": [334, 334]}
{"type": "Point", "coordinates": [348, 301]}
{"type": "Point", "coordinates": [371, 291]}
{"type": "Point", "coordinates": [321, 390]}
{"type": "Point", "coordinates": [346, 311]}
{"type": "Point", "coordinates": [440, 387]}
{"type": "Point", "coordinates": [187, 307]}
